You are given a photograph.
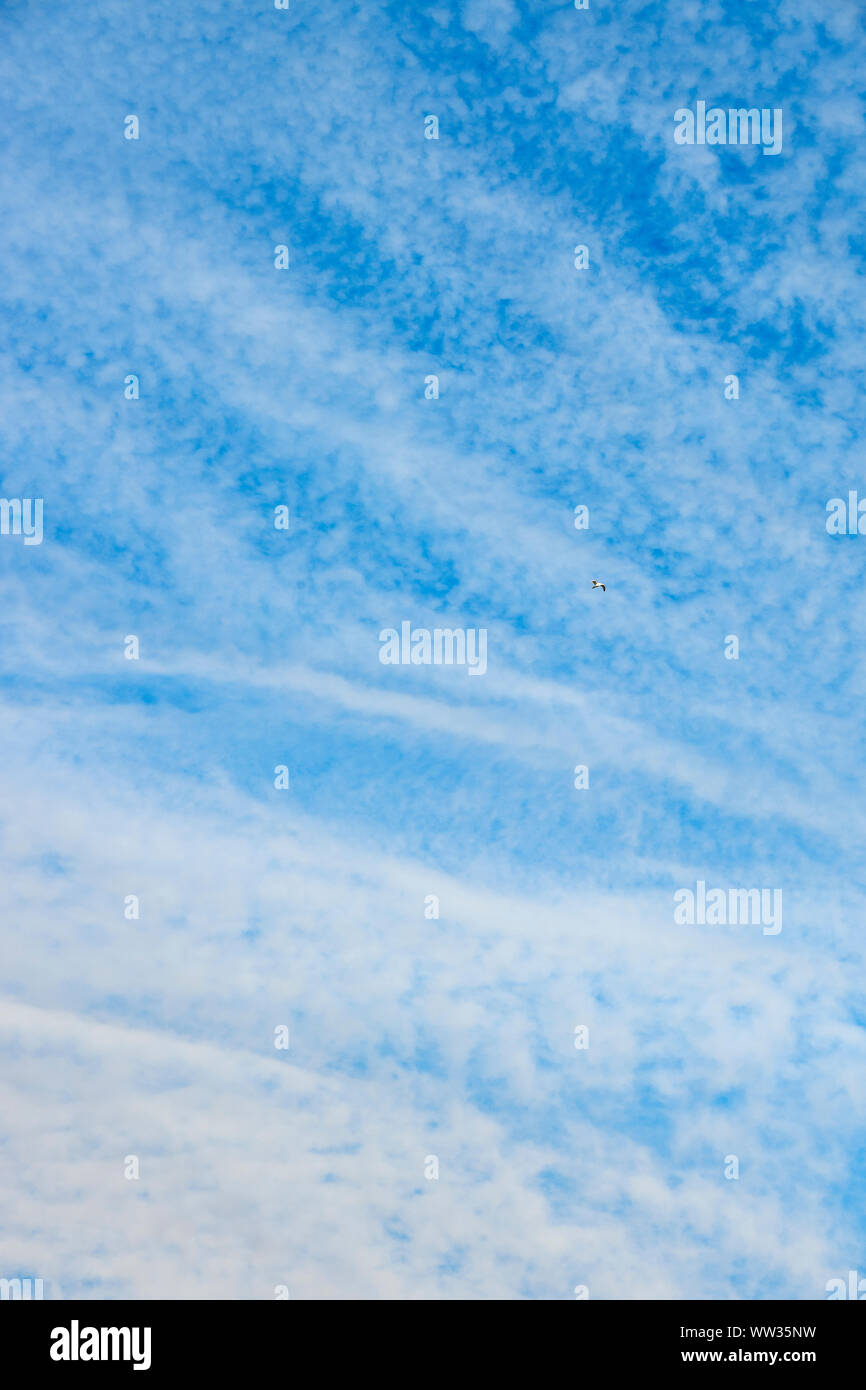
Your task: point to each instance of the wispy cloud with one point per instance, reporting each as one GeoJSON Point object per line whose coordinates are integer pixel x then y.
{"type": "Point", "coordinates": [411, 1034]}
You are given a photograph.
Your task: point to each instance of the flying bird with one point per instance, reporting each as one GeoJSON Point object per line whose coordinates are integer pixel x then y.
{"type": "Point", "coordinates": [596, 585]}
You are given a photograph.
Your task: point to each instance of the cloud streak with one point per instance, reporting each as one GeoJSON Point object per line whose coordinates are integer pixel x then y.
{"type": "Point", "coordinates": [415, 1035]}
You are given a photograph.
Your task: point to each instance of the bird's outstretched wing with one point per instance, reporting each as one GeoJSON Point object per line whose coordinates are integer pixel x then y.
{"type": "Point", "coordinates": [603, 589]}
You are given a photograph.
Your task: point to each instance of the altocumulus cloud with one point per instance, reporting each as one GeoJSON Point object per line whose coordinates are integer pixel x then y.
{"type": "Point", "coordinates": [580, 1064]}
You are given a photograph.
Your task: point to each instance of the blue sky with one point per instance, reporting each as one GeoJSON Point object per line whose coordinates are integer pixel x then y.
{"type": "Point", "coordinates": [305, 387]}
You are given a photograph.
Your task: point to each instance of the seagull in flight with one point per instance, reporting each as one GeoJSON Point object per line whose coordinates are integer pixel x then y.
{"type": "Point", "coordinates": [596, 585]}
